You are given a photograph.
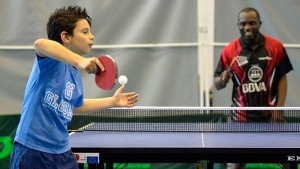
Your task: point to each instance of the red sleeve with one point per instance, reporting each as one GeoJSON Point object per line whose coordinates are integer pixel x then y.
{"type": "Point", "coordinates": [229, 52]}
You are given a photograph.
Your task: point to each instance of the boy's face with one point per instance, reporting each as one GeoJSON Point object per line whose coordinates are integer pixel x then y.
{"type": "Point", "coordinates": [82, 39]}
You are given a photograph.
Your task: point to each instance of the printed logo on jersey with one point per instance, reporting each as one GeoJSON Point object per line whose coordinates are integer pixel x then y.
{"type": "Point", "coordinates": [69, 90]}
{"type": "Point", "coordinates": [265, 58]}
{"type": "Point", "coordinates": [242, 60]}
{"type": "Point", "coordinates": [60, 105]}
{"type": "Point", "coordinates": [255, 74]}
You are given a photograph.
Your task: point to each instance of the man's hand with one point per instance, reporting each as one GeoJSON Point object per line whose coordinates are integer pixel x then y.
{"type": "Point", "coordinates": [277, 116]}
{"type": "Point", "coordinates": [225, 77]}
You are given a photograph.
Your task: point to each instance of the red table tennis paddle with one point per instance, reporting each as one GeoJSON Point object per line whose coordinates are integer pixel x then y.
{"type": "Point", "coordinates": [106, 79]}
{"type": "Point", "coordinates": [229, 70]}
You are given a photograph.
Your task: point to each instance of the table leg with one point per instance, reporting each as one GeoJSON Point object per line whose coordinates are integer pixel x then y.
{"type": "Point", "coordinates": [80, 165]}
{"type": "Point", "coordinates": [210, 165]}
{"type": "Point", "coordinates": [109, 165]}
{"type": "Point", "coordinates": [293, 165]}
{"type": "Point", "coordinates": [95, 166]}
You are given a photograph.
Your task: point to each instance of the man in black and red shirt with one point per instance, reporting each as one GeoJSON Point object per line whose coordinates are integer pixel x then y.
{"type": "Point", "coordinates": [257, 65]}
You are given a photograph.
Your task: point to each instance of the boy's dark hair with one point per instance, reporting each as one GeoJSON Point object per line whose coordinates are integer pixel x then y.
{"type": "Point", "coordinates": [250, 9]}
{"type": "Point", "coordinates": [65, 19]}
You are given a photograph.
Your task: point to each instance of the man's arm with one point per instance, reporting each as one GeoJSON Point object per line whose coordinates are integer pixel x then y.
{"type": "Point", "coordinates": [278, 116]}
{"type": "Point", "coordinates": [282, 90]}
{"type": "Point", "coordinates": [218, 83]}
{"type": "Point", "coordinates": [221, 81]}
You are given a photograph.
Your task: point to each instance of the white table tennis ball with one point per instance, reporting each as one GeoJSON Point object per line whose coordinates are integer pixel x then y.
{"type": "Point", "coordinates": [122, 79]}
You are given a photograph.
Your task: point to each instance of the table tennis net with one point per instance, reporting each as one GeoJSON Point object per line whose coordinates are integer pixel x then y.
{"type": "Point", "coordinates": [185, 119]}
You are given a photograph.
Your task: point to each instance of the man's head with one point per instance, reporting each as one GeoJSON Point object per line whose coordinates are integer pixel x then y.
{"type": "Point", "coordinates": [249, 24]}
{"type": "Point", "coordinates": [71, 27]}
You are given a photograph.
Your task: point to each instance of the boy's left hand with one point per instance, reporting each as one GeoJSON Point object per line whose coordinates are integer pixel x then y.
{"type": "Point", "coordinates": [125, 99]}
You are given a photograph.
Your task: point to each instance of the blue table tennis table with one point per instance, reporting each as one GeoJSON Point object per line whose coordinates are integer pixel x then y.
{"type": "Point", "coordinates": [187, 147]}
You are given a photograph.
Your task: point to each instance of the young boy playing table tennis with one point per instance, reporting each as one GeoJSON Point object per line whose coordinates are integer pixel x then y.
{"type": "Point", "coordinates": [54, 92]}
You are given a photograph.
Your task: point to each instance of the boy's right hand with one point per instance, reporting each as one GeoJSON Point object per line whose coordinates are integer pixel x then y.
{"type": "Point", "coordinates": [91, 65]}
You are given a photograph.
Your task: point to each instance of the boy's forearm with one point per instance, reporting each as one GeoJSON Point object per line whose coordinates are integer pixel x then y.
{"type": "Point", "coordinates": [91, 105]}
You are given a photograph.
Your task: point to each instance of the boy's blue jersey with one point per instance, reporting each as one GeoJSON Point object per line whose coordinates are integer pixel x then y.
{"type": "Point", "coordinates": [53, 90]}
